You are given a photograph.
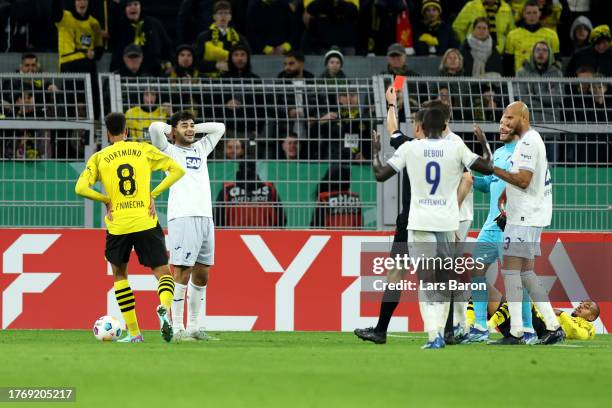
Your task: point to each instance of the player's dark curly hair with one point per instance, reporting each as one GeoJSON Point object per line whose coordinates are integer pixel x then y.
{"type": "Point", "coordinates": [181, 116]}
{"type": "Point", "coordinates": [433, 122]}
{"type": "Point", "coordinates": [115, 123]}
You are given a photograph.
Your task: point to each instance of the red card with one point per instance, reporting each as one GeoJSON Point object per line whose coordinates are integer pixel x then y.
{"type": "Point", "coordinates": [398, 84]}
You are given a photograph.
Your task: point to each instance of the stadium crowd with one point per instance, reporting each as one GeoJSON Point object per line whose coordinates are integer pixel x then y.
{"type": "Point", "coordinates": [496, 36]}
{"type": "Point", "coordinates": [194, 41]}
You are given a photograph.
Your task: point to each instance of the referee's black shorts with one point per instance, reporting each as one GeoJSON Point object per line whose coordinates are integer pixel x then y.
{"type": "Point", "coordinates": [150, 246]}
{"type": "Point", "coordinates": [400, 240]}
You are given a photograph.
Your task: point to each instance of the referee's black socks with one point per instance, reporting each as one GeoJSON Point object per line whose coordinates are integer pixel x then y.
{"type": "Point", "coordinates": [389, 302]}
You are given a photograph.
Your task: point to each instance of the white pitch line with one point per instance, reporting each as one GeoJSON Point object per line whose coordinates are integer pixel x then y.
{"type": "Point", "coordinates": [407, 336]}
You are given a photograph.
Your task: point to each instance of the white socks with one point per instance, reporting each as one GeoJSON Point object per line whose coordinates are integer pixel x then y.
{"type": "Point", "coordinates": [514, 296]}
{"type": "Point", "coordinates": [433, 313]}
{"type": "Point", "coordinates": [460, 316]}
{"type": "Point", "coordinates": [178, 306]}
{"type": "Point", "coordinates": [195, 299]}
{"type": "Point", "coordinates": [540, 299]}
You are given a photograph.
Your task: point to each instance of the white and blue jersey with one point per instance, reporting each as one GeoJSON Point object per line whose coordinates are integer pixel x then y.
{"type": "Point", "coordinates": [490, 239]}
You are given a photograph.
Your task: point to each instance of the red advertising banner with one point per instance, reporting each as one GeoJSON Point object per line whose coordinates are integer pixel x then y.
{"type": "Point", "coordinates": [263, 280]}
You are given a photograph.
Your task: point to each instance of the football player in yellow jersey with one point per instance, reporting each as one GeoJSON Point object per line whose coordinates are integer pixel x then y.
{"type": "Point", "coordinates": [124, 170]}
{"type": "Point", "coordinates": [576, 325]}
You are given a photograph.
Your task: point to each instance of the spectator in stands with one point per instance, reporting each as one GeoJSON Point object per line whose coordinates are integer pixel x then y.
{"type": "Point", "coordinates": [575, 103]}
{"type": "Point", "coordinates": [451, 63]}
{"type": "Point", "coordinates": [598, 55]}
{"type": "Point", "coordinates": [432, 34]}
{"type": "Point", "coordinates": [521, 40]}
{"type": "Point", "coordinates": [195, 16]}
{"type": "Point", "coordinates": [213, 45]}
{"type": "Point", "coordinates": [272, 26]}
{"type": "Point", "coordinates": [498, 13]}
{"type": "Point", "coordinates": [239, 62]}
{"type": "Point", "coordinates": [480, 57]}
{"type": "Point", "coordinates": [453, 100]}
{"type": "Point", "coordinates": [30, 65]}
{"type": "Point", "coordinates": [599, 110]}
{"type": "Point", "coordinates": [80, 43]}
{"type": "Point", "coordinates": [131, 26]}
{"type": "Point", "coordinates": [290, 147]}
{"type": "Point", "coordinates": [79, 37]}
{"type": "Point", "coordinates": [330, 23]}
{"type": "Point", "coordinates": [184, 71]}
{"type": "Point", "coordinates": [590, 103]}
{"type": "Point", "coordinates": [337, 206]}
{"type": "Point", "coordinates": [234, 149]}
{"type": "Point", "coordinates": [184, 66]}
{"type": "Point", "coordinates": [27, 144]}
{"type": "Point", "coordinates": [248, 201]}
{"type": "Point", "coordinates": [386, 22]}
{"type": "Point", "coordinates": [396, 65]}
{"type": "Point", "coordinates": [293, 66]}
{"type": "Point", "coordinates": [488, 108]}
{"type": "Point", "coordinates": [341, 134]}
{"type": "Point", "coordinates": [543, 98]}
{"type": "Point", "coordinates": [334, 60]}
{"type": "Point", "coordinates": [396, 61]}
{"type": "Point", "coordinates": [132, 62]}
{"type": "Point", "coordinates": [579, 35]}
{"type": "Point", "coordinates": [38, 87]}
{"type": "Point", "coordinates": [139, 118]}
{"type": "Point", "coordinates": [243, 108]}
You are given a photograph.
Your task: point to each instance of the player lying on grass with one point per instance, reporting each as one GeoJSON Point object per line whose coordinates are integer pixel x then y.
{"type": "Point", "coordinates": [576, 325]}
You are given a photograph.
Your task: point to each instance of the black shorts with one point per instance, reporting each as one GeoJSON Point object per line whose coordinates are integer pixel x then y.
{"type": "Point", "coordinates": [150, 246]}
{"type": "Point", "coordinates": [400, 240]}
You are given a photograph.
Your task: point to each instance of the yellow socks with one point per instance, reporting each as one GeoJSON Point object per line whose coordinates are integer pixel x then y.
{"type": "Point", "coordinates": [127, 305]}
{"type": "Point", "coordinates": [165, 290]}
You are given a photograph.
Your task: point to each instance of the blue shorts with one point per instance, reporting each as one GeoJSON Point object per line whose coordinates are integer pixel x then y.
{"type": "Point", "coordinates": [488, 246]}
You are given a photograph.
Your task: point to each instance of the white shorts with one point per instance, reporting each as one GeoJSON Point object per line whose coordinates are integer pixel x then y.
{"type": "Point", "coordinates": [461, 236]}
{"type": "Point", "coordinates": [192, 239]}
{"type": "Point", "coordinates": [522, 241]}
{"type": "Point", "coordinates": [430, 244]}
{"type": "Point", "coordinates": [464, 228]}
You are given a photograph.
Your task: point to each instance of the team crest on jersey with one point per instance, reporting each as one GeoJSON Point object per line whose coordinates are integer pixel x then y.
{"type": "Point", "coordinates": [193, 162]}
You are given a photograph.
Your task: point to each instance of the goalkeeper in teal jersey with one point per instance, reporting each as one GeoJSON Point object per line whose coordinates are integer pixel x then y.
{"type": "Point", "coordinates": [489, 243]}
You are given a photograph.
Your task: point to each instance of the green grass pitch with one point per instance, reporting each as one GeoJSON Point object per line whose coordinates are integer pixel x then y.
{"type": "Point", "coordinates": [304, 369]}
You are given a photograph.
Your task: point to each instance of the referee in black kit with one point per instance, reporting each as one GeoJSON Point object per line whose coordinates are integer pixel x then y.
{"type": "Point", "coordinates": [391, 297]}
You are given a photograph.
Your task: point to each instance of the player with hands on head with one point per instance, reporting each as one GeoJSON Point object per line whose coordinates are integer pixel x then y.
{"type": "Point", "coordinates": [191, 231]}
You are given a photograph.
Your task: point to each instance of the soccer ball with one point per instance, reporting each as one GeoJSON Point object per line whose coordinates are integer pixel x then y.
{"type": "Point", "coordinates": [107, 328]}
